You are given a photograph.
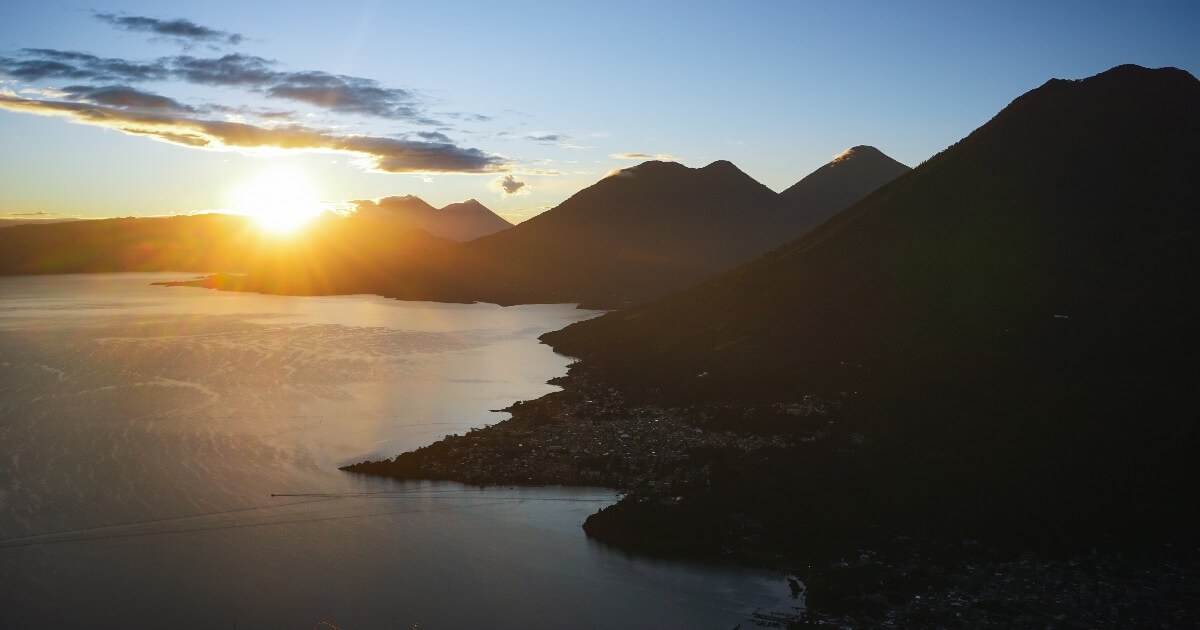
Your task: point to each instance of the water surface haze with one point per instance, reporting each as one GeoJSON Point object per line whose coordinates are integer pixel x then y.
{"type": "Point", "coordinates": [168, 458]}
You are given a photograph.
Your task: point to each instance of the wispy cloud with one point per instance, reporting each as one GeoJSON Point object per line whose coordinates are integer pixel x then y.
{"type": "Point", "coordinates": [643, 156]}
{"type": "Point", "coordinates": [547, 137]}
{"type": "Point", "coordinates": [382, 154]}
{"type": "Point", "coordinates": [466, 116]}
{"type": "Point", "coordinates": [345, 94]}
{"type": "Point", "coordinates": [125, 97]}
{"type": "Point", "coordinates": [180, 29]}
{"type": "Point", "coordinates": [35, 64]}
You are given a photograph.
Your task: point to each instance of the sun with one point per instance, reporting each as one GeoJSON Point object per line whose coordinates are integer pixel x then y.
{"type": "Point", "coordinates": [281, 200]}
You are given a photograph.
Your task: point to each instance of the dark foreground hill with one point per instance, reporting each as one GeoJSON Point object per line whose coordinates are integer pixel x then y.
{"type": "Point", "coordinates": [1007, 334]}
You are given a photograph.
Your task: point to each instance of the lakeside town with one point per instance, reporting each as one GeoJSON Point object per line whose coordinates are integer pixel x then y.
{"type": "Point", "coordinates": [590, 435]}
{"type": "Point", "coordinates": [587, 435]}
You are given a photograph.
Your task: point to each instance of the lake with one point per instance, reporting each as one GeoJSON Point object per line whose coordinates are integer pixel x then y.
{"type": "Point", "coordinates": [168, 458]}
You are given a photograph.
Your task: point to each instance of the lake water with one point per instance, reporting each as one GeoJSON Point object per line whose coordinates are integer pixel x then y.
{"type": "Point", "coordinates": [144, 430]}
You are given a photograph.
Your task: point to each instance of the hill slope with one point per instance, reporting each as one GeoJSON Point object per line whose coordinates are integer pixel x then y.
{"type": "Point", "coordinates": [1011, 325]}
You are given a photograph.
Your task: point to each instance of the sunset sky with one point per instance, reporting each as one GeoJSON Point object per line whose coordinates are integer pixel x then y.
{"type": "Point", "coordinates": [151, 108]}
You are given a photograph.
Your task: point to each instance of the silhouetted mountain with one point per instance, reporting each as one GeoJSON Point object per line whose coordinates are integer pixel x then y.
{"type": "Point", "coordinates": [204, 242]}
{"type": "Point", "coordinates": [639, 233]}
{"type": "Point", "coordinates": [333, 255]}
{"type": "Point", "coordinates": [463, 221]}
{"type": "Point", "coordinates": [854, 174]}
{"type": "Point", "coordinates": [646, 231]}
{"type": "Point", "coordinates": [11, 222]}
{"type": "Point", "coordinates": [1009, 329]}
{"type": "Point", "coordinates": [467, 221]}
{"type": "Point", "coordinates": [343, 255]}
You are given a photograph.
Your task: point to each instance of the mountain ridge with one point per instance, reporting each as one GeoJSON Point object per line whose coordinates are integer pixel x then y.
{"type": "Point", "coordinates": [1008, 324]}
{"type": "Point", "coordinates": [639, 233]}
{"type": "Point", "coordinates": [461, 221]}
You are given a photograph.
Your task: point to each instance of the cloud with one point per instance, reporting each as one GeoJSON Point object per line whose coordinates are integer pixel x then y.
{"type": "Point", "coordinates": [45, 63]}
{"type": "Point", "coordinates": [433, 136]}
{"type": "Point", "coordinates": [125, 98]}
{"type": "Point", "coordinates": [382, 154]}
{"type": "Point", "coordinates": [243, 111]}
{"type": "Point", "coordinates": [510, 185]}
{"type": "Point", "coordinates": [347, 94]}
{"type": "Point", "coordinates": [334, 92]}
{"type": "Point", "coordinates": [181, 29]}
{"type": "Point", "coordinates": [547, 137]}
{"type": "Point", "coordinates": [231, 70]}
{"type": "Point", "coordinates": [466, 116]}
{"type": "Point", "coordinates": [643, 156]}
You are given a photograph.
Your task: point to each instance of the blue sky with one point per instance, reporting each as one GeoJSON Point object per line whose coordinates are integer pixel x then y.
{"type": "Point", "coordinates": [545, 92]}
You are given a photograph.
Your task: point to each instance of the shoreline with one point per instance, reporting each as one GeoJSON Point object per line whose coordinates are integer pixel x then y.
{"type": "Point", "coordinates": [670, 464]}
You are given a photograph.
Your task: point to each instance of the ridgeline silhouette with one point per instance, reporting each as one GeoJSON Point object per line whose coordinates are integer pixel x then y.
{"type": "Point", "coordinates": [639, 234]}
{"type": "Point", "coordinates": [462, 221]}
{"type": "Point", "coordinates": [333, 255]}
{"type": "Point", "coordinates": [854, 174]}
{"type": "Point", "coordinates": [1010, 329]}
{"type": "Point", "coordinates": [204, 242]}
{"type": "Point", "coordinates": [649, 230]}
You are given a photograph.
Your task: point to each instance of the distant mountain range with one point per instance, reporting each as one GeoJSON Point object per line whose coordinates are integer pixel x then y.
{"type": "Point", "coordinates": [638, 234]}
{"type": "Point", "coordinates": [33, 221]}
{"type": "Point", "coordinates": [649, 230]}
{"type": "Point", "coordinates": [202, 242]}
{"type": "Point", "coordinates": [463, 221]}
{"type": "Point", "coordinates": [1010, 329]}
{"type": "Point", "coordinates": [334, 255]}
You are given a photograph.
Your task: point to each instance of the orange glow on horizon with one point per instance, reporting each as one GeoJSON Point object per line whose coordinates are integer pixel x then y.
{"type": "Point", "coordinates": [281, 201]}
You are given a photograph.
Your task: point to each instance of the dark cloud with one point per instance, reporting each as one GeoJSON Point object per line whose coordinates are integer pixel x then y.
{"type": "Point", "coordinates": [36, 64]}
{"type": "Point", "coordinates": [178, 28]}
{"type": "Point", "coordinates": [346, 94]}
{"type": "Point", "coordinates": [385, 154]}
{"type": "Point", "coordinates": [125, 98]}
{"type": "Point", "coordinates": [547, 137]}
{"type": "Point", "coordinates": [433, 136]}
{"type": "Point", "coordinates": [334, 92]}
{"type": "Point", "coordinates": [232, 70]}
{"type": "Point", "coordinates": [509, 184]}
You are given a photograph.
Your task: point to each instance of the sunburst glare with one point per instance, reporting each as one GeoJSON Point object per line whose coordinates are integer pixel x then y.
{"type": "Point", "coordinates": [280, 200]}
